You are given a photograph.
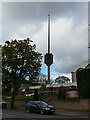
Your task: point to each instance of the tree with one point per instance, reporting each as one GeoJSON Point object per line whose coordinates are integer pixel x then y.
{"type": "Point", "coordinates": [36, 95]}
{"type": "Point", "coordinates": [42, 79]}
{"type": "Point", "coordinates": [62, 93]}
{"type": "Point", "coordinates": [62, 79]}
{"type": "Point", "coordinates": [20, 61]}
{"type": "Point", "coordinates": [42, 90]}
{"type": "Point", "coordinates": [43, 87]}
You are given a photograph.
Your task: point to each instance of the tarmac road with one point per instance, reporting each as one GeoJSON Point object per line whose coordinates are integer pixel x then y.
{"type": "Point", "coordinates": [8, 113]}
{"type": "Point", "coordinates": [21, 113]}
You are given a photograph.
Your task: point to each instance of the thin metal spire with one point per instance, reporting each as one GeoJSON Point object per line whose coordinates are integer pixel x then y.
{"type": "Point", "coordinates": [48, 32]}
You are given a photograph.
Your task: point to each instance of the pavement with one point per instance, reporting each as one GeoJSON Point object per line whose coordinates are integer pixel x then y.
{"type": "Point", "coordinates": [71, 113]}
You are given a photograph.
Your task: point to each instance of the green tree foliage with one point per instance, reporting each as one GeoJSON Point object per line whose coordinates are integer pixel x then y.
{"type": "Point", "coordinates": [43, 87]}
{"type": "Point", "coordinates": [83, 82]}
{"type": "Point", "coordinates": [62, 79]}
{"type": "Point", "coordinates": [42, 91]}
{"type": "Point", "coordinates": [19, 61]}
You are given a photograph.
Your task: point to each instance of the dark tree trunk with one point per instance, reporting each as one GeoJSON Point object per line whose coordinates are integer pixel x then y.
{"type": "Point", "coordinates": [36, 95]}
{"type": "Point", "coordinates": [13, 92]}
{"type": "Point", "coordinates": [12, 99]}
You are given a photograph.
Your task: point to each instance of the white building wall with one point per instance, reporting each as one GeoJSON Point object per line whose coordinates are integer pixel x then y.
{"type": "Point", "coordinates": [73, 76]}
{"type": "Point", "coordinates": [73, 71]}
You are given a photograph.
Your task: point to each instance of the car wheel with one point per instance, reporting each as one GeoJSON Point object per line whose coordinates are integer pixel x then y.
{"type": "Point", "coordinates": [41, 112]}
{"type": "Point", "coordinates": [28, 111]}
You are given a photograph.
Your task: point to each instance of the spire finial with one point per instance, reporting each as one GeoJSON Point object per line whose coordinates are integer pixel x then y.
{"type": "Point", "coordinates": [49, 13]}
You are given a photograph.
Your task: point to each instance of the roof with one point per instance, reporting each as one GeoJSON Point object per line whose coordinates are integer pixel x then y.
{"type": "Point", "coordinates": [64, 84]}
{"type": "Point", "coordinates": [35, 87]}
{"type": "Point", "coordinates": [82, 65]}
{"type": "Point", "coordinates": [54, 85]}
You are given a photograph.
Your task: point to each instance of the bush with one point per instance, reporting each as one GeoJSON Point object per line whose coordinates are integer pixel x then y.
{"type": "Point", "coordinates": [8, 94]}
{"type": "Point", "coordinates": [62, 93]}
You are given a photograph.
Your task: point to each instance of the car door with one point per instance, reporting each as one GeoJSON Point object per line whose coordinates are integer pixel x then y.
{"type": "Point", "coordinates": [29, 106]}
{"type": "Point", "coordinates": [37, 107]}
{"type": "Point", "coordinates": [34, 107]}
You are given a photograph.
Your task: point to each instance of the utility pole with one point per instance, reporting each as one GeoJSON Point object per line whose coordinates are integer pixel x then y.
{"type": "Point", "coordinates": [48, 56]}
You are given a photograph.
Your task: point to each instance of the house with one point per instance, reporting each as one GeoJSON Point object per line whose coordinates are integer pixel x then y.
{"type": "Point", "coordinates": [71, 88]}
{"type": "Point", "coordinates": [23, 88]}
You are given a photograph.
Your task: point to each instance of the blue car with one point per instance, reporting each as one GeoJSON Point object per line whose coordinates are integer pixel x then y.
{"type": "Point", "coordinates": [3, 104]}
{"type": "Point", "coordinates": [39, 107]}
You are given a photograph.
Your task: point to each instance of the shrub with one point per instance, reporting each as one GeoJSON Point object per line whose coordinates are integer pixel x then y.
{"type": "Point", "coordinates": [62, 93]}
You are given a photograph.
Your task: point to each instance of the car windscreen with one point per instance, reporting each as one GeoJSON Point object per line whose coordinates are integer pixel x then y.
{"type": "Point", "coordinates": [42, 104]}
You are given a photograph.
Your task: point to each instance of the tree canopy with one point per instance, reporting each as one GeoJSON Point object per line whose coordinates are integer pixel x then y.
{"type": "Point", "coordinates": [62, 79]}
{"type": "Point", "coordinates": [20, 61]}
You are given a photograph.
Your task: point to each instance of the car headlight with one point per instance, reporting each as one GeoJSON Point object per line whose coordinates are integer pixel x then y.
{"type": "Point", "coordinates": [47, 108]}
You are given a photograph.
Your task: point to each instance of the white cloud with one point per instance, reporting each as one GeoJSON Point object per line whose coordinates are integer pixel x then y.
{"type": "Point", "coordinates": [67, 75]}
{"type": "Point", "coordinates": [45, 0]}
{"type": "Point", "coordinates": [69, 35]}
{"type": "Point", "coordinates": [69, 43]}
{"type": "Point", "coordinates": [40, 38]}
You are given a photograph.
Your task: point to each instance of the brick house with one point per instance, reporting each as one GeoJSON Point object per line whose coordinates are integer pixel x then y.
{"type": "Point", "coordinates": [71, 88]}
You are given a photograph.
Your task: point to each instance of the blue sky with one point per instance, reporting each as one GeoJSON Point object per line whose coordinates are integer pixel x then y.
{"type": "Point", "coordinates": [53, 73]}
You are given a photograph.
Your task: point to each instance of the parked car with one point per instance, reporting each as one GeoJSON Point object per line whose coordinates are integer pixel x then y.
{"type": "Point", "coordinates": [3, 104]}
{"type": "Point", "coordinates": [39, 107]}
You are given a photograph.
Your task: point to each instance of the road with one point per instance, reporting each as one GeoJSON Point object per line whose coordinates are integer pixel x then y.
{"type": "Point", "coordinates": [21, 113]}
{"type": "Point", "coordinates": [7, 113]}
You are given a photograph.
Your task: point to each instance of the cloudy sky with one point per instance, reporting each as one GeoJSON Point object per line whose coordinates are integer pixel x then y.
{"type": "Point", "coordinates": [69, 30]}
